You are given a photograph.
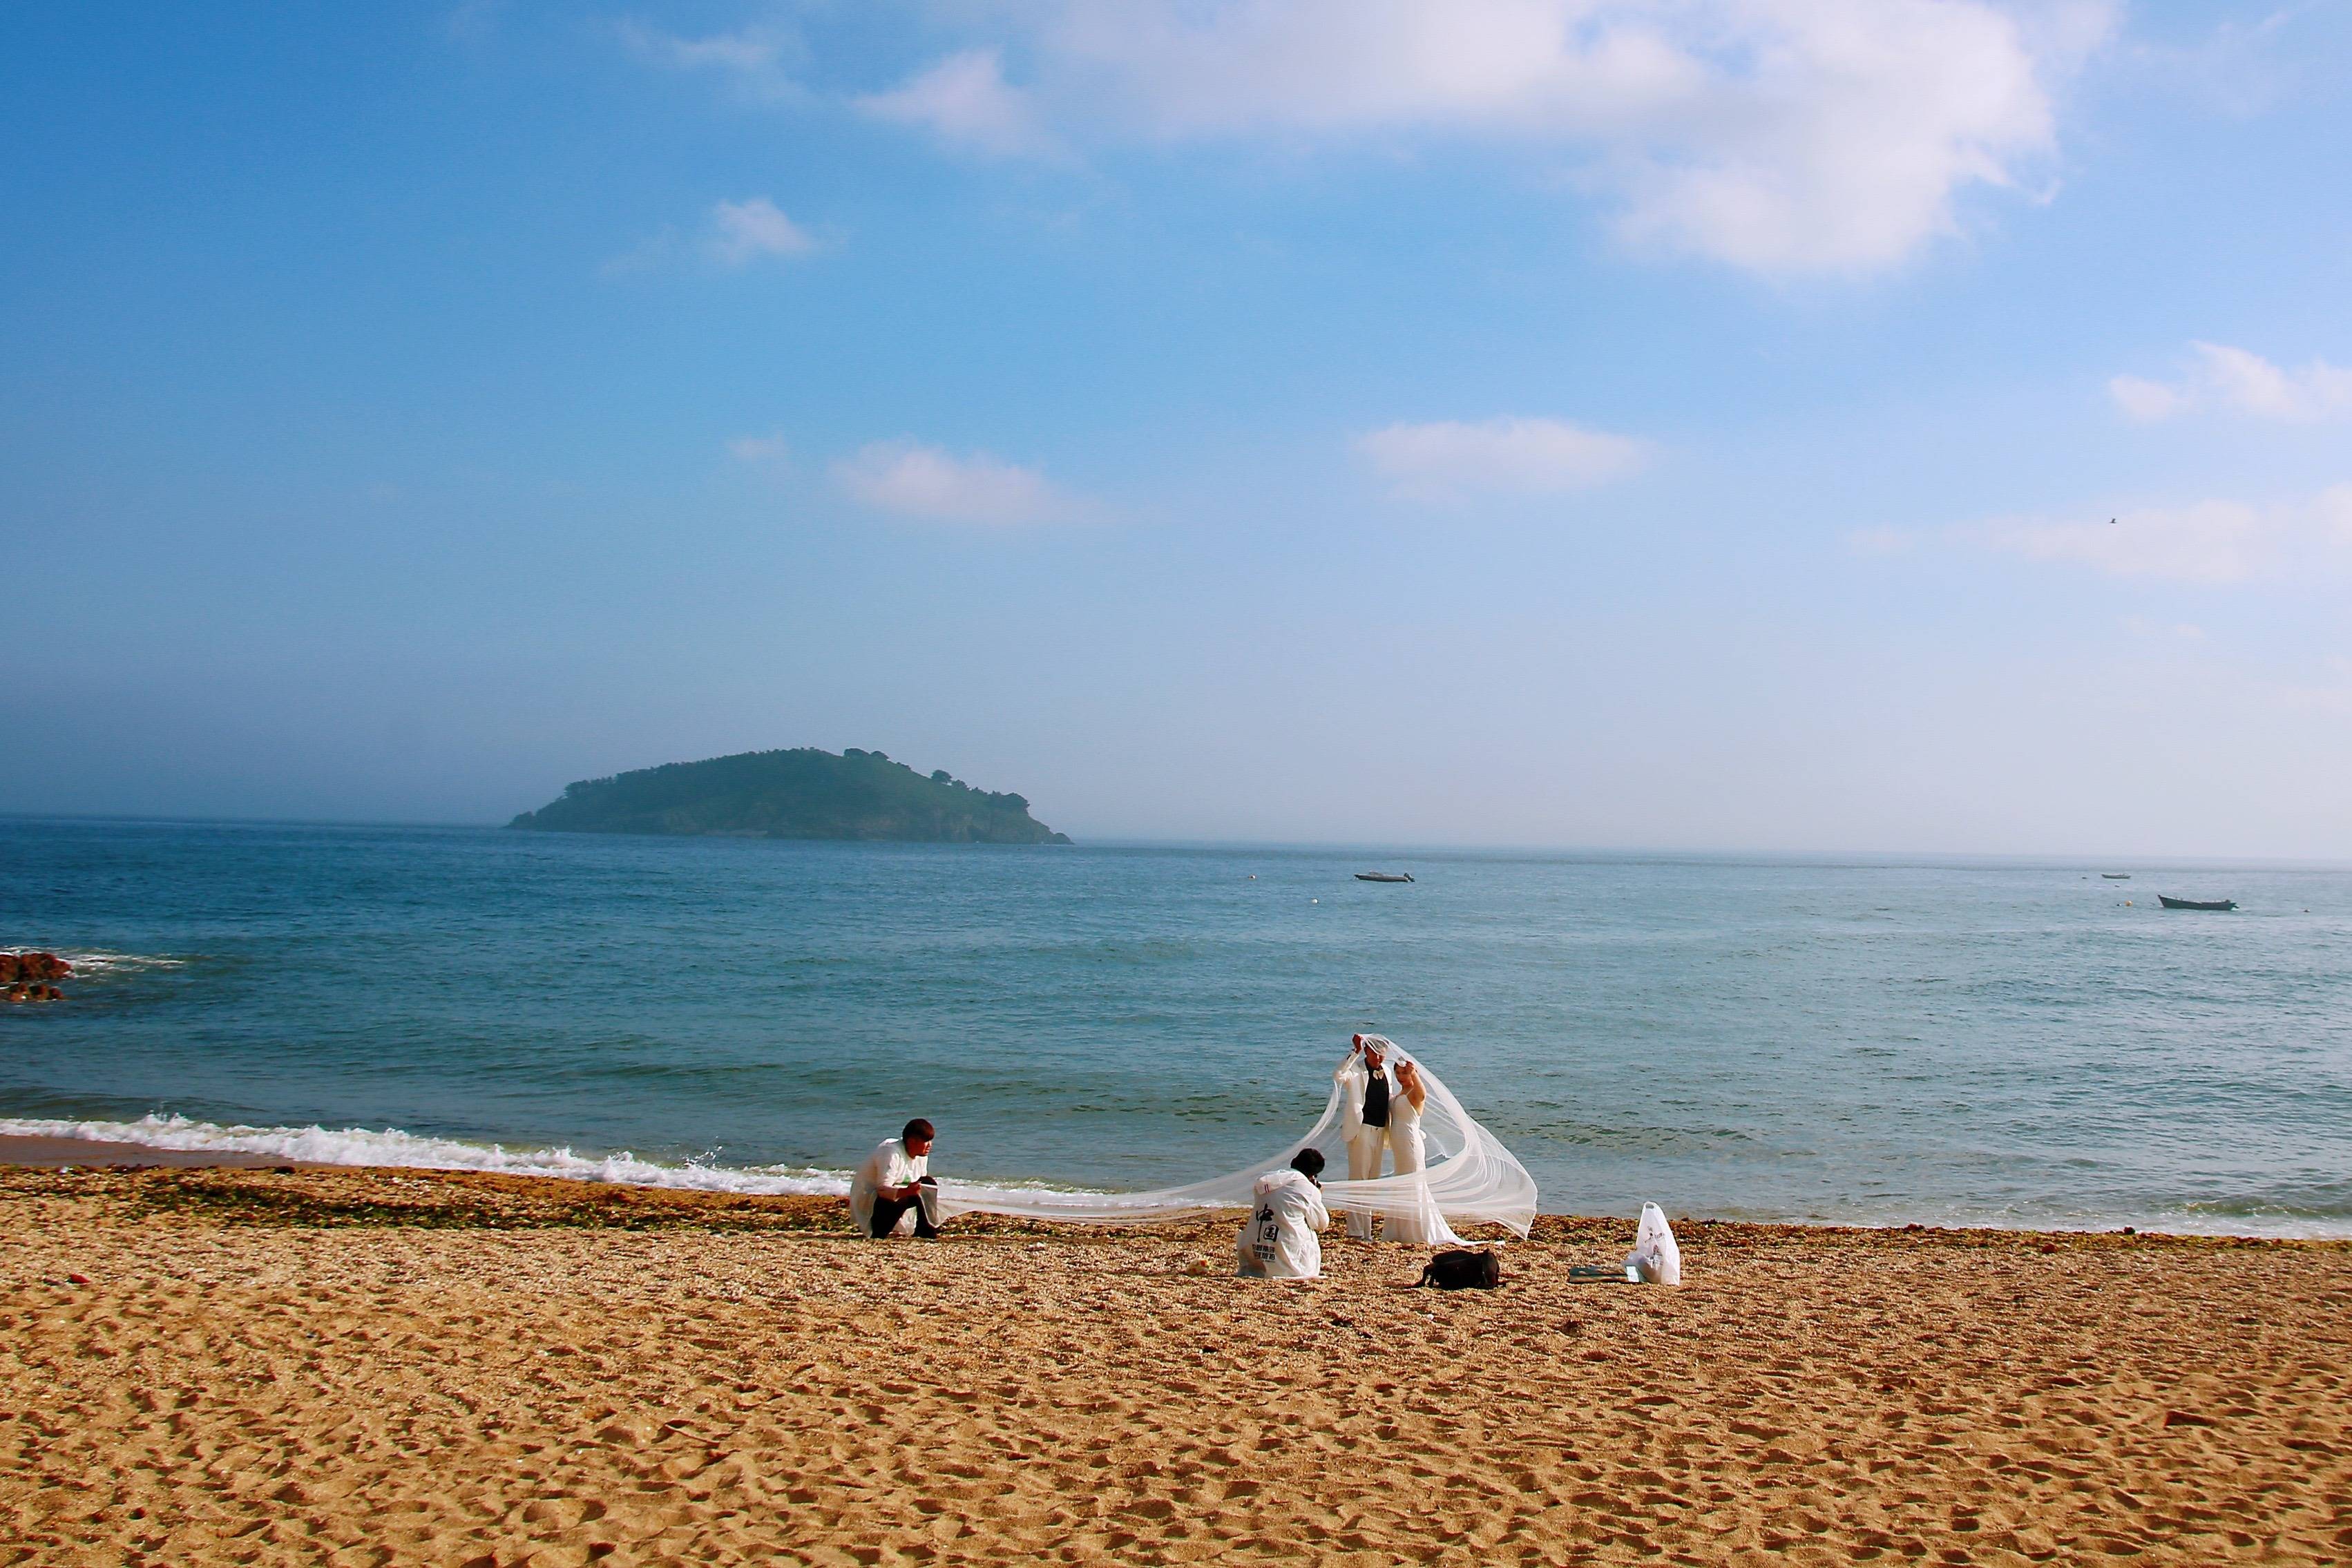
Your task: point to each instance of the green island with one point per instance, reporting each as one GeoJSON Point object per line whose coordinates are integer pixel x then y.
{"type": "Point", "coordinates": [799, 794]}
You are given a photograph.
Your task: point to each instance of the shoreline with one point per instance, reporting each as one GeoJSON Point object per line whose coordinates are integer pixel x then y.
{"type": "Point", "coordinates": [41, 1153]}
{"type": "Point", "coordinates": [207, 1365]}
{"type": "Point", "coordinates": [51, 1153]}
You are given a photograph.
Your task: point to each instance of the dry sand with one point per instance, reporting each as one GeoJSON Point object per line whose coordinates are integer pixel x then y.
{"type": "Point", "coordinates": [239, 1366]}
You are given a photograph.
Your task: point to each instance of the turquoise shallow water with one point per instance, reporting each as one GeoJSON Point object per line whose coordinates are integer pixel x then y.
{"type": "Point", "coordinates": [1810, 1039]}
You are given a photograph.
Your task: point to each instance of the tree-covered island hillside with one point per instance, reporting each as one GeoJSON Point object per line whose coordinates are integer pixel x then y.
{"type": "Point", "coordinates": [799, 794]}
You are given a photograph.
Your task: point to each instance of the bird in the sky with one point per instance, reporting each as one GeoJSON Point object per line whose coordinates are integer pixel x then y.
{"type": "Point", "coordinates": [2111, 522]}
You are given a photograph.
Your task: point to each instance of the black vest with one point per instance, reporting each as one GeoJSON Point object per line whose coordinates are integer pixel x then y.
{"type": "Point", "coordinates": [1376, 1100]}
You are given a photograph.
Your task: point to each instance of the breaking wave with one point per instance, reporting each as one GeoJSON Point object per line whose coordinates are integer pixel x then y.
{"type": "Point", "coordinates": [366, 1146]}
{"type": "Point", "coordinates": [98, 962]}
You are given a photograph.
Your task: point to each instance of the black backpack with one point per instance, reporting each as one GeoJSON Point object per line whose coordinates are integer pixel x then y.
{"type": "Point", "coordinates": [1463, 1272]}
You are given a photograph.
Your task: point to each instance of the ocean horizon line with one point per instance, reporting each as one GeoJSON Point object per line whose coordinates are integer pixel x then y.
{"type": "Point", "coordinates": [2070, 859]}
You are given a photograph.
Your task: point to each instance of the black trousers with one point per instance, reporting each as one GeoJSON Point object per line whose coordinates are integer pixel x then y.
{"type": "Point", "coordinates": [889, 1212]}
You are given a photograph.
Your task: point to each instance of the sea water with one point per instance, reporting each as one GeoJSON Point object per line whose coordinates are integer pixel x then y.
{"type": "Point", "coordinates": [1828, 1038]}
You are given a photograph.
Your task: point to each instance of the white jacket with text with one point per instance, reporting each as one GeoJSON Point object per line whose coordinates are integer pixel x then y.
{"type": "Point", "coordinates": [1278, 1240]}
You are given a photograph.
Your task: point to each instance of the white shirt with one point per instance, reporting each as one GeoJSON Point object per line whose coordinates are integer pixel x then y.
{"type": "Point", "coordinates": [888, 1166]}
{"type": "Point", "coordinates": [1278, 1240]}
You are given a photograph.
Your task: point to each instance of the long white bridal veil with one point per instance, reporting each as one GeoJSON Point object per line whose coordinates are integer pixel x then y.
{"type": "Point", "coordinates": [1471, 1179]}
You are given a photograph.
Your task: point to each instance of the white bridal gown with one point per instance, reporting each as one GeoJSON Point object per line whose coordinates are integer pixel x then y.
{"type": "Point", "coordinates": [1470, 1177]}
{"type": "Point", "coordinates": [1402, 1141]}
{"type": "Point", "coordinates": [1410, 1149]}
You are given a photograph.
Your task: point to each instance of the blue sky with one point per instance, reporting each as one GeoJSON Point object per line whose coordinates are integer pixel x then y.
{"type": "Point", "coordinates": [1555, 422]}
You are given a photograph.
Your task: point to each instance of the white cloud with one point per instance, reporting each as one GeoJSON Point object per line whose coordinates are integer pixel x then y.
{"type": "Point", "coordinates": [742, 232]}
{"type": "Point", "coordinates": [2212, 542]}
{"type": "Point", "coordinates": [755, 61]}
{"type": "Point", "coordinates": [1780, 135]}
{"type": "Point", "coordinates": [1511, 457]}
{"type": "Point", "coordinates": [651, 254]}
{"type": "Point", "coordinates": [910, 480]}
{"type": "Point", "coordinates": [2240, 382]}
{"type": "Point", "coordinates": [2145, 400]}
{"type": "Point", "coordinates": [2331, 694]}
{"type": "Point", "coordinates": [2237, 66]}
{"type": "Point", "coordinates": [2252, 384]}
{"type": "Point", "coordinates": [965, 101]}
{"type": "Point", "coordinates": [760, 451]}
{"type": "Point", "coordinates": [737, 235]}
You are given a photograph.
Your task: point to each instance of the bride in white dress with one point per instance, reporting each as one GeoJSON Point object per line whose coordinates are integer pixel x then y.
{"type": "Point", "coordinates": [1410, 1149]}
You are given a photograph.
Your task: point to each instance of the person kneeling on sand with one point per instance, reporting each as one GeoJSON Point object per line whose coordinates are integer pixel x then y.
{"type": "Point", "coordinates": [1278, 1240]}
{"type": "Point", "coordinates": [894, 1184]}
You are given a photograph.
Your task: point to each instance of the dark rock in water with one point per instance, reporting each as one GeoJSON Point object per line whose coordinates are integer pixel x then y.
{"type": "Point", "coordinates": [801, 794]}
{"type": "Point", "coordinates": [27, 976]}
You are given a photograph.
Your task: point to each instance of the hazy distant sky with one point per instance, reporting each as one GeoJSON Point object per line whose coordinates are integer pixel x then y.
{"type": "Point", "coordinates": [1557, 422]}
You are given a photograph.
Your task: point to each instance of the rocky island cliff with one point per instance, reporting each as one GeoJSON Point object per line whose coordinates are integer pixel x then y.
{"type": "Point", "coordinates": [799, 794]}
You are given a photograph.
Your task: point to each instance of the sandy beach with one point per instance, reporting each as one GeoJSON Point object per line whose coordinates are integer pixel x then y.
{"type": "Point", "coordinates": [223, 1365]}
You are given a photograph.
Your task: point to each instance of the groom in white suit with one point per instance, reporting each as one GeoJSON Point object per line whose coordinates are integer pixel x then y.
{"type": "Point", "coordinates": [1366, 1090]}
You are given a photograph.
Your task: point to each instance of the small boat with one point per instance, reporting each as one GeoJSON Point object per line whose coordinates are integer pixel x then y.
{"type": "Point", "coordinates": [1384, 876]}
{"type": "Point", "coordinates": [2170, 902]}
{"type": "Point", "coordinates": [2120, 877]}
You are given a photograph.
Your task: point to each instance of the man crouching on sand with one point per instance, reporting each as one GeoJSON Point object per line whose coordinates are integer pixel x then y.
{"type": "Point", "coordinates": [895, 1186]}
{"type": "Point", "coordinates": [1278, 1240]}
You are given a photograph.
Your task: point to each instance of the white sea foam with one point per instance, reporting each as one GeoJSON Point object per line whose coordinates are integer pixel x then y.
{"type": "Point", "coordinates": [98, 962]}
{"type": "Point", "coordinates": [367, 1146]}
{"type": "Point", "coordinates": [392, 1147]}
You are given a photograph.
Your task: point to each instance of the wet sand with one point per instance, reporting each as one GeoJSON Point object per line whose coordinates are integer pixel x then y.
{"type": "Point", "coordinates": [362, 1367]}
{"type": "Point", "coordinates": [97, 1154]}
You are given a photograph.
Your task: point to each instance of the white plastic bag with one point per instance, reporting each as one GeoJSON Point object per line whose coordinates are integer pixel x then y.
{"type": "Point", "coordinates": [1656, 1259]}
